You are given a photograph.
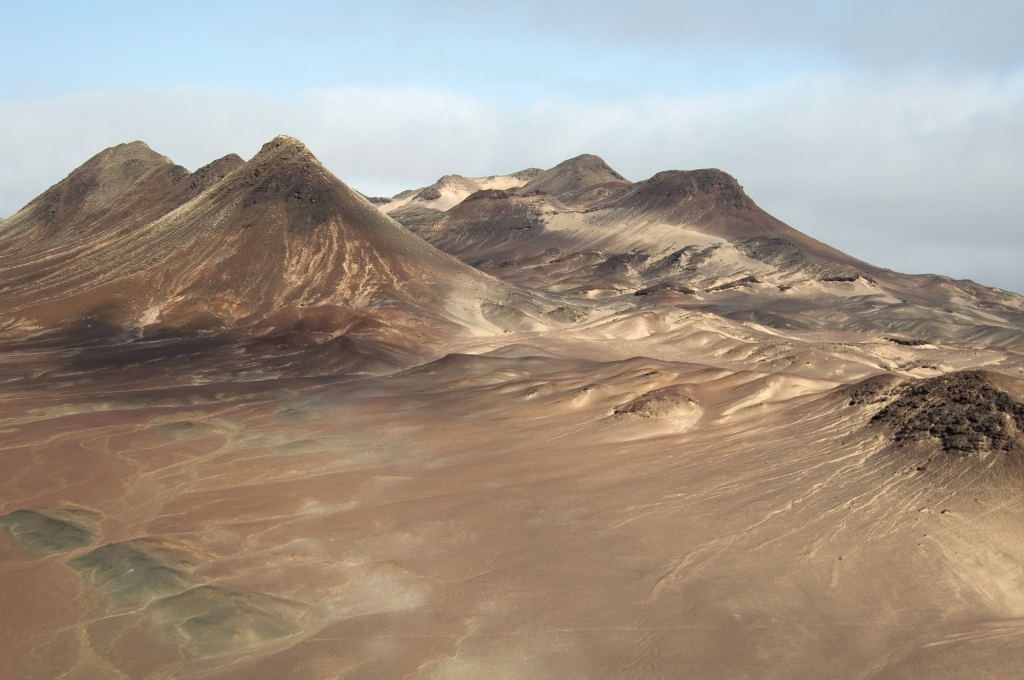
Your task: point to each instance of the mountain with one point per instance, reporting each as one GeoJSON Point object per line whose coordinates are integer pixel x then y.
{"type": "Point", "coordinates": [119, 188]}
{"type": "Point", "coordinates": [451, 190]}
{"type": "Point", "coordinates": [578, 181]}
{"type": "Point", "coordinates": [695, 239]}
{"type": "Point", "coordinates": [660, 216]}
{"type": "Point", "coordinates": [131, 241]}
{"type": "Point", "coordinates": [255, 425]}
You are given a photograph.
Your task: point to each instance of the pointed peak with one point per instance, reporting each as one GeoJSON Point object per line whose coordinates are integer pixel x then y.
{"type": "Point", "coordinates": [103, 185]}
{"type": "Point", "coordinates": [134, 146]}
{"type": "Point", "coordinates": [573, 175]}
{"type": "Point", "coordinates": [286, 178]}
{"type": "Point", "coordinates": [285, 152]}
{"type": "Point", "coordinates": [282, 143]}
{"type": "Point", "coordinates": [585, 159]}
{"type": "Point", "coordinates": [129, 151]}
{"type": "Point", "coordinates": [113, 169]}
{"type": "Point", "coordinates": [590, 162]}
{"type": "Point", "coordinates": [285, 155]}
{"type": "Point", "coordinates": [214, 171]}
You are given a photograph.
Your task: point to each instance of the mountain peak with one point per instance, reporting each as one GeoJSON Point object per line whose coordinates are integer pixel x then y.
{"type": "Point", "coordinates": [590, 163]}
{"type": "Point", "coordinates": [214, 171]}
{"type": "Point", "coordinates": [127, 152]}
{"type": "Point", "coordinates": [717, 184]}
{"type": "Point", "coordinates": [94, 188]}
{"type": "Point", "coordinates": [129, 159]}
{"type": "Point", "coordinates": [236, 242]}
{"type": "Point", "coordinates": [136, 146]}
{"type": "Point", "coordinates": [285, 163]}
{"type": "Point", "coordinates": [285, 147]}
{"type": "Point", "coordinates": [586, 159]}
{"type": "Point", "coordinates": [574, 175]}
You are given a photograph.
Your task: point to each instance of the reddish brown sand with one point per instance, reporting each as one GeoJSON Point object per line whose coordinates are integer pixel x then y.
{"type": "Point", "coordinates": [488, 517]}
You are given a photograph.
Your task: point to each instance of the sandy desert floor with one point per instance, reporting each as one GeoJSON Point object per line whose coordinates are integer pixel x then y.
{"type": "Point", "coordinates": [500, 515]}
{"type": "Point", "coordinates": [253, 427]}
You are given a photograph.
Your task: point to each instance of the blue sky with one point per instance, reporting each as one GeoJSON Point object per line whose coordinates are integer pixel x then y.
{"type": "Point", "coordinates": [892, 130]}
{"type": "Point", "coordinates": [275, 49]}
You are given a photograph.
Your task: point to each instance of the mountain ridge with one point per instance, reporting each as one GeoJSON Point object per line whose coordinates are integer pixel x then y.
{"type": "Point", "coordinates": [278, 231]}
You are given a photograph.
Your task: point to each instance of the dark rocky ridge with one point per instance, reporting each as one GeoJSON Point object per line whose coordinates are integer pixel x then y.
{"type": "Point", "coordinates": [673, 186]}
{"type": "Point", "coordinates": [965, 411]}
{"type": "Point", "coordinates": [877, 389]}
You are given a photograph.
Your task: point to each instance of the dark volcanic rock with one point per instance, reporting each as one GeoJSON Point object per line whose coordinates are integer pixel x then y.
{"type": "Point", "coordinates": [567, 314]}
{"type": "Point", "coordinates": [842, 275]}
{"type": "Point", "coordinates": [745, 281]}
{"type": "Point", "coordinates": [874, 390]}
{"type": "Point", "coordinates": [907, 342]}
{"type": "Point", "coordinates": [687, 259]}
{"type": "Point", "coordinates": [963, 410]}
{"type": "Point", "coordinates": [779, 252]}
{"type": "Point", "coordinates": [666, 287]}
{"type": "Point", "coordinates": [621, 263]}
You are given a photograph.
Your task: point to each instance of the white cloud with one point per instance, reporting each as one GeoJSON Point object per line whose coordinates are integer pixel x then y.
{"type": "Point", "coordinates": [891, 169]}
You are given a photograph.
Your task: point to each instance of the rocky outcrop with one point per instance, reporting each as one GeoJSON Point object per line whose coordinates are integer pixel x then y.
{"type": "Point", "coordinates": [964, 412]}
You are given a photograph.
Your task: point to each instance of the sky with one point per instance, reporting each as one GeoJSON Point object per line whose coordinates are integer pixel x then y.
{"type": "Point", "coordinates": [891, 130]}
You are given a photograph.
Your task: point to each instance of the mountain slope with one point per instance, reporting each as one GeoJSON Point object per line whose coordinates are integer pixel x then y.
{"type": "Point", "coordinates": [119, 188]}
{"type": "Point", "coordinates": [578, 181]}
{"type": "Point", "coordinates": [584, 219]}
{"type": "Point", "coordinates": [451, 190]}
{"type": "Point", "coordinates": [277, 233]}
{"type": "Point", "coordinates": [696, 239]}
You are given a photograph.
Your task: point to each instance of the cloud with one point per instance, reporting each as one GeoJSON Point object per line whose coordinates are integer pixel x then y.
{"type": "Point", "coordinates": [917, 172]}
{"type": "Point", "coordinates": [869, 33]}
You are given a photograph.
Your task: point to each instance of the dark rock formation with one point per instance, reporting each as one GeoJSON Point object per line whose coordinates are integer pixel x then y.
{"type": "Point", "coordinates": [964, 411]}
{"type": "Point", "coordinates": [907, 342]}
{"type": "Point", "coordinates": [745, 281]}
{"type": "Point", "coordinates": [874, 390]}
{"type": "Point", "coordinates": [666, 287]}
